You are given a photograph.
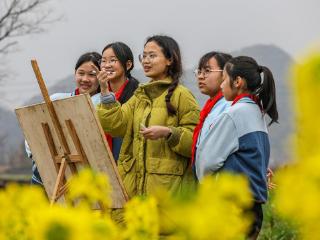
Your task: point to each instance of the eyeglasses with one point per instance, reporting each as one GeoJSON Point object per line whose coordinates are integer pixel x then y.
{"type": "Point", "coordinates": [205, 72]}
{"type": "Point", "coordinates": [144, 57]}
{"type": "Point", "coordinates": [103, 62]}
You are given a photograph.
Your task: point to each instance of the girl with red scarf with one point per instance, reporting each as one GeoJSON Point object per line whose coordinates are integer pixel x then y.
{"type": "Point", "coordinates": [209, 76]}
{"type": "Point", "coordinates": [238, 141]}
{"type": "Point", "coordinates": [116, 65]}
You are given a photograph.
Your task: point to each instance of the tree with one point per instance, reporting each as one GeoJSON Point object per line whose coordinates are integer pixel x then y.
{"type": "Point", "coordinates": [20, 18]}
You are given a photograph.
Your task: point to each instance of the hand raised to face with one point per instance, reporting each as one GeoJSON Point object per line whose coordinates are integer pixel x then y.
{"type": "Point", "coordinates": [103, 78]}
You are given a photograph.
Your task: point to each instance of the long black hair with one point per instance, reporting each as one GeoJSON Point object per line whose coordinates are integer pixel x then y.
{"type": "Point", "coordinates": [123, 54]}
{"type": "Point", "coordinates": [93, 57]}
{"type": "Point", "coordinates": [220, 57]}
{"type": "Point", "coordinates": [171, 51]}
{"type": "Point", "coordinates": [264, 88]}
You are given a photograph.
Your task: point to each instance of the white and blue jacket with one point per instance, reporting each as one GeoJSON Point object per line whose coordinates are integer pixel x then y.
{"type": "Point", "coordinates": [237, 142]}
{"type": "Point", "coordinates": [221, 106]}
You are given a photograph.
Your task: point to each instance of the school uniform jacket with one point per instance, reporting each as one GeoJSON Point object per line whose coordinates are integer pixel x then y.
{"type": "Point", "coordinates": [238, 142]}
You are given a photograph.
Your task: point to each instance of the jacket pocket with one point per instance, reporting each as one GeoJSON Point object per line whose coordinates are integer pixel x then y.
{"type": "Point", "coordinates": [127, 174]}
{"type": "Point", "coordinates": [165, 166]}
{"type": "Point", "coordinates": [126, 162]}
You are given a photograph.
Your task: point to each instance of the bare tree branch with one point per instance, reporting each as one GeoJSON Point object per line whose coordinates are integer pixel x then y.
{"type": "Point", "coordinates": [7, 47]}
{"type": "Point", "coordinates": [22, 17]}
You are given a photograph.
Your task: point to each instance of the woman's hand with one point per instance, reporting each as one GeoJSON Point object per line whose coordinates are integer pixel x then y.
{"type": "Point", "coordinates": [155, 132]}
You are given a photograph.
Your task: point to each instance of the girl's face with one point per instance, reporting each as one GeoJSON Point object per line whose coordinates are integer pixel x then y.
{"type": "Point", "coordinates": [154, 63]}
{"type": "Point", "coordinates": [210, 78]}
{"type": "Point", "coordinates": [86, 78]}
{"type": "Point", "coordinates": [229, 92]}
{"type": "Point", "coordinates": [111, 64]}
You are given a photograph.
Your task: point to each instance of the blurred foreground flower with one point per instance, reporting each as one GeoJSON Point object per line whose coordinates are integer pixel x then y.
{"type": "Point", "coordinates": [141, 215]}
{"type": "Point", "coordinates": [298, 194]}
{"type": "Point", "coordinates": [17, 205]}
{"type": "Point", "coordinates": [215, 211]}
{"type": "Point", "coordinates": [89, 188]}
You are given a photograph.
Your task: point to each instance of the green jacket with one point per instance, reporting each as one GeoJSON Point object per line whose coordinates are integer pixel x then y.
{"type": "Point", "coordinates": [146, 165]}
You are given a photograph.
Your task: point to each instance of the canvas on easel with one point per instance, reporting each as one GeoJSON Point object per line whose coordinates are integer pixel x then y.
{"type": "Point", "coordinates": [64, 136]}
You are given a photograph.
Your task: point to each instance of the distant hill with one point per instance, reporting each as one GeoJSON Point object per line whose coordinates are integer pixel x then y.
{"type": "Point", "coordinates": [66, 84]}
{"type": "Point", "coordinates": [269, 55]}
{"type": "Point", "coordinates": [10, 137]}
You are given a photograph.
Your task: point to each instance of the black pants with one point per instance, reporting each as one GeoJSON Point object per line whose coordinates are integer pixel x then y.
{"type": "Point", "coordinates": [257, 213]}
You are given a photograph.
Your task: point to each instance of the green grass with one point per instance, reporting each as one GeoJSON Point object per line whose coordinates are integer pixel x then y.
{"type": "Point", "coordinates": [275, 227]}
{"type": "Point", "coordinates": [15, 177]}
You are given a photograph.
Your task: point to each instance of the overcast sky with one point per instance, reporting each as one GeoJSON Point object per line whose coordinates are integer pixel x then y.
{"type": "Point", "coordinates": [199, 26]}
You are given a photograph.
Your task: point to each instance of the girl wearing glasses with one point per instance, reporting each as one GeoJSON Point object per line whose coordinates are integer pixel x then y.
{"type": "Point", "coordinates": [86, 82]}
{"type": "Point", "coordinates": [156, 124]}
{"type": "Point", "coordinates": [209, 76]}
{"type": "Point", "coordinates": [238, 141]}
{"type": "Point", "coordinates": [116, 65]}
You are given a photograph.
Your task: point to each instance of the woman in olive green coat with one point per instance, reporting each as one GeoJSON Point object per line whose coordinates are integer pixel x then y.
{"type": "Point", "coordinates": [156, 124]}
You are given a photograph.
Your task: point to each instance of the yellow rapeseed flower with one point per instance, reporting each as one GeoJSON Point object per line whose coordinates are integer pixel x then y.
{"type": "Point", "coordinates": [298, 193]}
{"type": "Point", "coordinates": [17, 205]}
{"type": "Point", "coordinates": [65, 223]}
{"type": "Point", "coordinates": [89, 188]}
{"type": "Point", "coordinates": [306, 86]}
{"type": "Point", "coordinates": [217, 210]}
{"type": "Point", "coordinates": [141, 215]}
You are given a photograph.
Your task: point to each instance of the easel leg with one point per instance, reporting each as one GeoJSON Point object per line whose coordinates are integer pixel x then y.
{"type": "Point", "coordinates": [59, 180]}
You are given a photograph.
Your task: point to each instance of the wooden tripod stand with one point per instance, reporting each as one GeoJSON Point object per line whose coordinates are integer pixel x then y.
{"type": "Point", "coordinates": [63, 136]}
{"type": "Point", "coordinates": [60, 161]}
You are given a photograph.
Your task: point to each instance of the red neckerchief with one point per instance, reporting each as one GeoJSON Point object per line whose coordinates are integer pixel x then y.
{"type": "Point", "coordinates": [203, 115]}
{"type": "Point", "coordinates": [121, 89]}
{"type": "Point", "coordinates": [77, 91]}
{"type": "Point", "coordinates": [251, 96]}
{"type": "Point", "coordinates": [117, 95]}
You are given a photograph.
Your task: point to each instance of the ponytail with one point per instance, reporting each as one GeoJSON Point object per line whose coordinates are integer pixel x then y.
{"type": "Point", "coordinates": [268, 94]}
{"type": "Point", "coordinates": [170, 108]}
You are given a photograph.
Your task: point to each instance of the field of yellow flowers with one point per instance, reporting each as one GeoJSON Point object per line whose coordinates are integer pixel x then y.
{"type": "Point", "coordinates": [26, 213]}
{"type": "Point", "coordinates": [214, 211]}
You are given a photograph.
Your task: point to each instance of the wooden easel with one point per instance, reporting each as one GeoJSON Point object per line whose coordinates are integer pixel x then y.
{"type": "Point", "coordinates": [63, 136]}
{"type": "Point", "coordinates": [60, 161]}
